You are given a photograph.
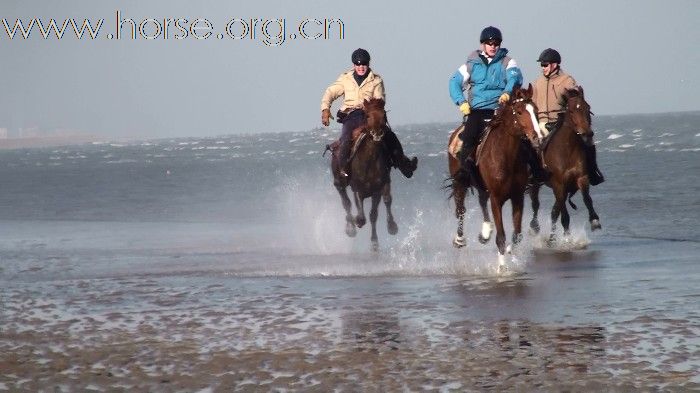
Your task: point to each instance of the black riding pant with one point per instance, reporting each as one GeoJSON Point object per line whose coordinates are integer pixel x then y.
{"type": "Point", "coordinates": [474, 127]}
{"type": "Point", "coordinates": [353, 120]}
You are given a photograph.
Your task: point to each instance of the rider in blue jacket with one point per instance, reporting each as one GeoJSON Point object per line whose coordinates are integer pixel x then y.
{"type": "Point", "coordinates": [488, 77]}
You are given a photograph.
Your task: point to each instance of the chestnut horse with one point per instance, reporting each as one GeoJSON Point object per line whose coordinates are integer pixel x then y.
{"type": "Point", "coordinates": [502, 165]}
{"type": "Point", "coordinates": [564, 156]}
{"type": "Point", "coordinates": [369, 173]}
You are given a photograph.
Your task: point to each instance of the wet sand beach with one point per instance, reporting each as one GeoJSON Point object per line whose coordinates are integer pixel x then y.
{"type": "Point", "coordinates": [567, 324]}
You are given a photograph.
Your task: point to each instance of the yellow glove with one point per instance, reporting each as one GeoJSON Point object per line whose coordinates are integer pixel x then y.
{"type": "Point", "coordinates": [543, 128]}
{"type": "Point", "coordinates": [505, 97]}
{"type": "Point", "coordinates": [464, 108]}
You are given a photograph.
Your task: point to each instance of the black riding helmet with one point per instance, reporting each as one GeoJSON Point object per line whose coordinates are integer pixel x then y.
{"type": "Point", "coordinates": [549, 55]}
{"type": "Point", "coordinates": [490, 33]}
{"type": "Point", "coordinates": [360, 57]}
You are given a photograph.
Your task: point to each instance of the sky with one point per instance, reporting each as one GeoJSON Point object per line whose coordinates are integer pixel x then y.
{"type": "Point", "coordinates": [630, 57]}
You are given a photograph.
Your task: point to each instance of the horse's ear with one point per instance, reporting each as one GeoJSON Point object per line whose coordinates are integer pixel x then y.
{"type": "Point", "coordinates": [529, 90]}
{"type": "Point", "coordinates": [580, 90]}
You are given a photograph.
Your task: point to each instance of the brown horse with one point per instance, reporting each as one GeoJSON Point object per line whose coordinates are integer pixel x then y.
{"type": "Point", "coordinates": [502, 165]}
{"type": "Point", "coordinates": [564, 156]}
{"type": "Point", "coordinates": [369, 173]}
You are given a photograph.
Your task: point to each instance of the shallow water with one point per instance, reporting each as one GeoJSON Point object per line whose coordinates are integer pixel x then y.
{"type": "Point", "coordinates": [204, 264]}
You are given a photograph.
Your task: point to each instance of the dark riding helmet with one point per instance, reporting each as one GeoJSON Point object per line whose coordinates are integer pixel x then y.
{"type": "Point", "coordinates": [549, 55]}
{"type": "Point", "coordinates": [360, 57]}
{"type": "Point", "coordinates": [490, 34]}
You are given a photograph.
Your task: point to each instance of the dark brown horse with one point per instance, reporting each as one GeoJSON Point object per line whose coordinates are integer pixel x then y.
{"type": "Point", "coordinates": [369, 173]}
{"type": "Point", "coordinates": [565, 158]}
{"type": "Point", "coordinates": [502, 164]}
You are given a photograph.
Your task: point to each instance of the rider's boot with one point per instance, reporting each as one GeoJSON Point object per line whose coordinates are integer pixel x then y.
{"type": "Point", "coordinates": [595, 177]}
{"type": "Point", "coordinates": [539, 175]}
{"type": "Point", "coordinates": [399, 160]}
{"type": "Point", "coordinates": [407, 166]}
{"type": "Point", "coordinates": [467, 168]}
{"type": "Point", "coordinates": [344, 158]}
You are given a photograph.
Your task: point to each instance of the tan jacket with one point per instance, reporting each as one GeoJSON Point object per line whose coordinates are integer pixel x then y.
{"type": "Point", "coordinates": [371, 87]}
{"type": "Point", "coordinates": [547, 94]}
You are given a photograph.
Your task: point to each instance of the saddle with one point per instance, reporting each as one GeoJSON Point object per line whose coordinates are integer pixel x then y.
{"type": "Point", "coordinates": [358, 135]}
{"type": "Point", "coordinates": [456, 145]}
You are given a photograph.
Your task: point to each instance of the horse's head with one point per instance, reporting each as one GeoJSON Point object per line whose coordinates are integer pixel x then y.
{"type": "Point", "coordinates": [522, 110]}
{"type": "Point", "coordinates": [578, 112]}
{"type": "Point", "coordinates": [376, 117]}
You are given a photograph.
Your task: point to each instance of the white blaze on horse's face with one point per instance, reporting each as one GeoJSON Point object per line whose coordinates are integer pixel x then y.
{"type": "Point", "coordinates": [535, 125]}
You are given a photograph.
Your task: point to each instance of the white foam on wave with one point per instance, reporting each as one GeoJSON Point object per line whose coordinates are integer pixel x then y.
{"type": "Point", "coordinates": [615, 136]}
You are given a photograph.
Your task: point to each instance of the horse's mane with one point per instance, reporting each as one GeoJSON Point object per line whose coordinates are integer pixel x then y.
{"type": "Point", "coordinates": [374, 104]}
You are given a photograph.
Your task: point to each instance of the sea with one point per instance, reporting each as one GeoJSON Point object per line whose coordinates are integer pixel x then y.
{"type": "Point", "coordinates": [222, 264]}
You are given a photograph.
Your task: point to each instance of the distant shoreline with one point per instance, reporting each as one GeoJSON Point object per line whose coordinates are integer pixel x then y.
{"type": "Point", "coordinates": [47, 141]}
{"type": "Point", "coordinates": [72, 140]}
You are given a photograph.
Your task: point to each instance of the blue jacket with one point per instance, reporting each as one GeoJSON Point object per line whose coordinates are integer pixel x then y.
{"type": "Point", "coordinates": [484, 81]}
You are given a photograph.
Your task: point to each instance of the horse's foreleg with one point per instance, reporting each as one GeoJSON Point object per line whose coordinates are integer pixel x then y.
{"type": "Point", "coordinates": [592, 215]}
{"type": "Point", "coordinates": [559, 201]}
{"type": "Point", "coordinates": [460, 194]}
{"type": "Point", "coordinates": [390, 223]}
{"type": "Point", "coordinates": [565, 219]}
{"type": "Point", "coordinates": [360, 219]}
{"type": "Point", "coordinates": [496, 209]}
{"type": "Point", "coordinates": [535, 199]}
{"type": "Point", "coordinates": [487, 225]}
{"type": "Point", "coordinates": [347, 205]}
{"type": "Point", "coordinates": [373, 214]}
{"type": "Point", "coordinates": [517, 202]}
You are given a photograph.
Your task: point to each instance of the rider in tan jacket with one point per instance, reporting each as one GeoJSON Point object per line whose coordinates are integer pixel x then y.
{"type": "Point", "coordinates": [547, 94]}
{"type": "Point", "coordinates": [548, 90]}
{"type": "Point", "coordinates": [345, 85]}
{"type": "Point", "coordinates": [356, 86]}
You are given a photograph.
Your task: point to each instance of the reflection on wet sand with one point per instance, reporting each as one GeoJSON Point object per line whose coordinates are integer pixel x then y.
{"type": "Point", "coordinates": [173, 334]}
{"type": "Point", "coordinates": [371, 330]}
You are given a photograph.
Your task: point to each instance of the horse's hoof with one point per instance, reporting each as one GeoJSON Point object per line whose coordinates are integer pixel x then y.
{"type": "Point", "coordinates": [517, 238]}
{"type": "Point", "coordinates": [374, 247]}
{"type": "Point", "coordinates": [485, 234]}
{"type": "Point", "coordinates": [502, 268]}
{"type": "Point", "coordinates": [595, 224]}
{"type": "Point", "coordinates": [552, 240]}
{"type": "Point", "coordinates": [350, 230]}
{"type": "Point", "coordinates": [392, 228]}
{"type": "Point", "coordinates": [360, 221]}
{"type": "Point", "coordinates": [459, 241]}
{"type": "Point", "coordinates": [534, 227]}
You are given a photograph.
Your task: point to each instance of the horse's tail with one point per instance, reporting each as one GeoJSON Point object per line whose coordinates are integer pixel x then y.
{"type": "Point", "coordinates": [461, 178]}
{"type": "Point", "coordinates": [571, 203]}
